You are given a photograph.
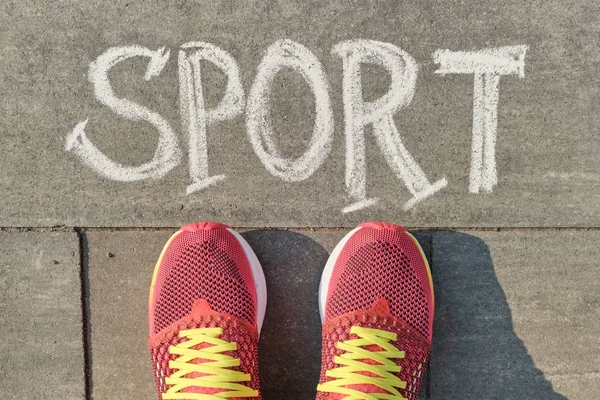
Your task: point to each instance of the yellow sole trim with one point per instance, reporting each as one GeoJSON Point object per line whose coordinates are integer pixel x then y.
{"type": "Point", "coordinates": [155, 274]}
{"type": "Point", "coordinates": [426, 265]}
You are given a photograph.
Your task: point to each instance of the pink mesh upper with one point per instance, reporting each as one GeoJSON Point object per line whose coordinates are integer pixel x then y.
{"type": "Point", "coordinates": [204, 280]}
{"type": "Point", "coordinates": [206, 262]}
{"type": "Point", "coordinates": [382, 261]}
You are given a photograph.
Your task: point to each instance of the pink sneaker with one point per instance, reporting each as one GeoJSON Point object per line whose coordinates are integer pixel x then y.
{"type": "Point", "coordinates": [376, 302]}
{"type": "Point", "coordinates": [206, 308]}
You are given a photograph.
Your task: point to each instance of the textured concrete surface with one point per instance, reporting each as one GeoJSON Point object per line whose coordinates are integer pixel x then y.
{"type": "Point", "coordinates": [517, 315]}
{"type": "Point", "coordinates": [547, 146]}
{"type": "Point", "coordinates": [552, 284]}
{"type": "Point", "coordinates": [118, 300]}
{"type": "Point", "coordinates": [290, 357]}
{"type": "Point", "coordinates": [40, 317]}
{"type": "Point", "coordinates": [517, 312]}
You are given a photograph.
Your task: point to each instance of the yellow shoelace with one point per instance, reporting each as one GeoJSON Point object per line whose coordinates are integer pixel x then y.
{"type": "Point", "coordinates": [350, 373]}
{"type": "Point", "coordinates": [217, 372]}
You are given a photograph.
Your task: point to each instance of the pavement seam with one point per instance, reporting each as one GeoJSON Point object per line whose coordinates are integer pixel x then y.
{"type": "Point", "coordinates": [85, 311]}
{"type": "Point", "coordinates": [17, 229]}
{"type": "Point", "coordinates": [432, 270]}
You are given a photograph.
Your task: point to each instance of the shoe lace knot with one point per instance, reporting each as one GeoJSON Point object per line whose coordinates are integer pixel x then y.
{"type": "Point", "coordinates": [361, 366]}
{"type": "Point", "coordinates": [203, 364]}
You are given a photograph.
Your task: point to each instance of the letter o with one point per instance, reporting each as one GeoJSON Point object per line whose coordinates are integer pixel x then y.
{"type": "Point", "coordinates": [286, 53]}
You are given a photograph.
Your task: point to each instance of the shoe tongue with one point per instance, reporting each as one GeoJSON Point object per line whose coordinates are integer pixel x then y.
{"type": "Point", "coordinates": [415, 345]}
{"type": "Point", "coordinates": [201, 311]}
{"type": "Point", "coordinates": [367, 387]}
{"type": "Point", "coordinates": [381, 308]}
{"type": "Point", "coordinates": [202, 316]}
{"type": "Point", "coordinates": [196, 389]}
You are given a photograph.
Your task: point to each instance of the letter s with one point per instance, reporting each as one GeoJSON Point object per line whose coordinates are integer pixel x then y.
{"type": "Point", "coordinates": [167, 154]}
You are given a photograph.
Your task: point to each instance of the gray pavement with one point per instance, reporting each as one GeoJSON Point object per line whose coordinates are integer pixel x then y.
{"type": "Point", "coordinates": [120, 270]}
{"type": "Point", "coordinates": [494, 163]}
{"type": "Point", "coordinates": [547, 125]}
{"type": "Point", "coordinates": [41, 352]}
{"type": "Point", "coordinates": [517, 315]}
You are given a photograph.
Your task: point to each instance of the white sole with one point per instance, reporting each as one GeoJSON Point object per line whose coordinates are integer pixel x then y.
{"type": "Point", "coordinates": [328, 271]}
{"type": "Point", "coordinates": [260, 284]}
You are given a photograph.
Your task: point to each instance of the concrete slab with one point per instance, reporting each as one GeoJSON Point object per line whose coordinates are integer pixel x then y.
{"type": "Point", "coordinates": [516, 315]}
{"type": "Point", "coordinates": [546, 148]}
{"type": "Point", "coordinates": [293, 263]}
{"type": "Point", "coordinates": [119, 284]}
{"type": "Point", "coordinates": [41, 351]}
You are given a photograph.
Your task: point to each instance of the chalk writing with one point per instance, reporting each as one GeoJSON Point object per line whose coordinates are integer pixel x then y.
{"type": "Point", "coordinates": [285, 53]}
{"type": "Point", "coordinates": [195, 117]}
{"type": "Point", "coordinates": [487, 65]}
{"type": "Point", "coordinates": [167, 155]}
{"type": "Point", "coordinates": [358, 113]}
